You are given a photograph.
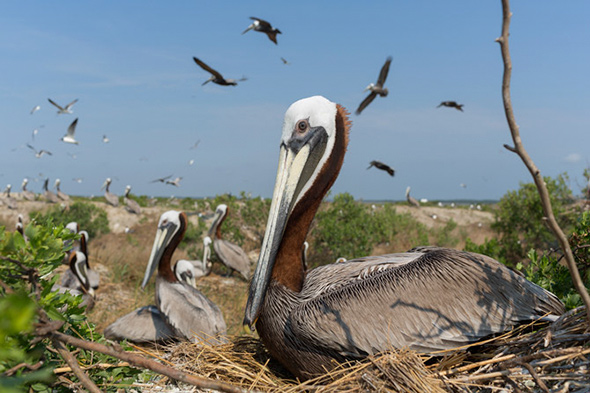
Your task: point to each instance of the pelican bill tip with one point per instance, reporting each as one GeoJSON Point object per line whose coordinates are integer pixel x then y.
{"type": "Point", "coordinates": [248, 327]}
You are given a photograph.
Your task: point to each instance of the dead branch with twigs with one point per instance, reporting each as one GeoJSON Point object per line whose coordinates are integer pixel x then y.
{"type": "Point", "coordinates": [526, 159]}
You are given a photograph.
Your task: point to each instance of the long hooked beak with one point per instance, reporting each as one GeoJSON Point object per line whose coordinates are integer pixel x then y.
{"type": "Point", "coordinates": [248, 29]}
{"type": "Point", "coordinates": [207, 81]}
{"type": "Point", "coordinates": [296, 165]}
{"type": "Point", "coordinates": [163, 236]}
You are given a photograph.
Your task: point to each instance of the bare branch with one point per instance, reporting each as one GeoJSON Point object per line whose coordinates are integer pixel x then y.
{"type": "Point", "coordinates": [73, 363]}
{"type": "Point", "coordinates": [526, 159]}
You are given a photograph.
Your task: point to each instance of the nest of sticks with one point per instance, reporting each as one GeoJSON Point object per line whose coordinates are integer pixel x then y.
{"type": "Point", "coordinates": [541, 357]}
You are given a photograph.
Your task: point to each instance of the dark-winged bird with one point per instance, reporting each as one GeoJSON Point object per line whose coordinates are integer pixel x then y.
{"type": "Point", "coordinates": [451, 104]}
{"type": "Point", "coordinates": [376, 88]}
{"type": "Point", "coordinates": [216, 77]}
{"type": "Point", "coordinates": [263, 27]}
{"type": "Point", "coordinates": [62, 110]}
{"type": "Point", "coordinates": [382, 166]}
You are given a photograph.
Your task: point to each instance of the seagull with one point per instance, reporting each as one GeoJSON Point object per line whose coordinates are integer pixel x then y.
{"type": "Point", "coordinates": [105, 139]}
{"type": "Point", "coordinates": [216, 77]}
{"type": "Point", "coordinates": [191, 162]}
{"type": "Point", "coordinates": [69, 137]}
{"type": "Point", "coordinates": [35, 109]}
{"type": "Point", "coordinates": [451, 104]}
{"type": "Point", "coordinates": [175, 182]}
{"type": "Point", "coordinates": [263, 27]}
{"type": "Point", "coordinates": [66, 109]}
{"type": "Point", "coordinates": [39, 153]}
{"type": "Point", "coordinates": [161, 179]}
{"type": "Point", "coordinates": [382, 166]}
{"type": "Point", "coordinates": [35, 132]}
{"type": "Point", "coordinates": [376, 88]}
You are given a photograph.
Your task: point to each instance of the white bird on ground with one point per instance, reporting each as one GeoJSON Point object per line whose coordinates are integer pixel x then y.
{"type": "Point", "coordinates": [69, 136]}
{"type": "Point", "coordinates": [63, 110]}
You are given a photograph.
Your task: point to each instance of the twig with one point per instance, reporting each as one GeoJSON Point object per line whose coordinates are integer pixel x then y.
{"type": "Point", "coordinates": [73, 363]}
{"type": "Point", "coordinates": [141, 362]}
{"type": "Point", "coordinates": [522, 153]}
{"type": "Point", "coordinates": [536, 377]}
{"type": "Point", "coordinates": [14, 369]}
{"type": "Point", "coordinates": [103, 366]}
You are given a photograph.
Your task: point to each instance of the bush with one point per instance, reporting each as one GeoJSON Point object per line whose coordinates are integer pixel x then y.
{"type": "Point", "coordinates": [519, 217]}
{"type": "Point", "coordinates": [89, 217]}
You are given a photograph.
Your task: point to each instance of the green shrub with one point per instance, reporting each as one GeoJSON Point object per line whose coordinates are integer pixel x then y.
{"type": "Point", "coordinates": [89, 217]}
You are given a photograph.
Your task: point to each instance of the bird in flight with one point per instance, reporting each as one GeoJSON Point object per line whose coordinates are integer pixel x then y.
{"type": "Point", "coordinates": [263, 27]}
{"type": "Point", "coordinates": [69, 136]}
{"type": "Point", "coordinates": [376, 88]}
{"type": "Point", "coordinates": [451, 104]}
{"type": "Point", "coordinates": [216, 77]}
{"type": "Point", "coordinates": [63, 110]}
{"type": "Point", "coordinates": [382, 166]}
{"type": "Point", "coordinates": [35, 109]}
{"type": "Point", "coordinates": [105, 139]}
{"type": "Point", "coordinates": [39, 153]}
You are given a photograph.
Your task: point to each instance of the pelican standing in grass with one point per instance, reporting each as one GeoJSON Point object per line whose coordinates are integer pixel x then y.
{"type": "Point", "coordinates": [427, 299]}
{"type": "Point", "coordinates": [376, 88]}
{"type": "Point", "coordinates": [411, 200]}
{"type": "Point", "coordinates": [28, 195]}
{"type": "Point", "coordinates": [64, 197]}
{"type": "Point", "coordinates": [49, 195]}
{"type": "Point", "coordinates": [192, 315]}
{"type": "Point", "coordinates": [111, 198]}
{"type": "Point", "coordinates": [230, 254]}
{"type": "Point", "coordinates": [131, 205]}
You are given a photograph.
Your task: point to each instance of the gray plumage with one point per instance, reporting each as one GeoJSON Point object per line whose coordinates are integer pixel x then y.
{"type": "Point", "coordinates": [131, 205]}
{"type": "Point", "coordinates": [49, 195]}
{"type": "Point", "coordinates": [230, 254]}
{"type": "Point", "coordinates": [8, 199]}
{"type": "Point", "coordinates": [376, 88]}
{"type": "Point", "coordinates": [28, 195]}
{"type": "Point", "coordinates": [411, 200]}
{"type": "Point", "coordinates": [145, 324]}
{"type": "Point", "coordinates": [198, 268]}
{"type": "Point", "coordinates": [61, 195]}
{"type": "Point", "coordinates": [111, 198]}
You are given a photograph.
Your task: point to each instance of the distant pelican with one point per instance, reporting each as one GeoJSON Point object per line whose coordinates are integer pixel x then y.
{"type": "Point", "coordinates": [39, 153]}
{"type": "Point", "coordinates": [69, 136]}
{"type": "Point", "coordinates": [285, 61]}
{"type": "Point", "coordinates": [411, 200]}
{"type": "Point", "coordinates": [111, 198]}
{"type": "Point", "coordinates": [28, 195]}
{"type": "Point", "coordinates": [376, 88]}
{"type": "Point", "coordinates": [132, 206]}
{"type": "Point", "coordinates": [451, 104]}
{"type": "Point", "coordinates": [9, 200]}
{"type": "Point", "coordinates": [49, 195]}
{"type": "Point", "coordinates": [216, 77]}
{"type": "Point", "coordinates": [382, 166]}
{"type": "Point", "coordinates": [229, 253]}
{"type": "Point", "coordinates": [66, 109]}
{"type": "Point", "coordinates": [61, 195]}
{"type": "Point", "coordinates": [263, 27]}
{"type": "Point", "coordinates": [35, 109]}
{"type": "Point", "coordinates": [427, 299]}
{"type": "Point", "coordinates": [187, 310]}
{"type": "Point", "coordinates": [199, 268]}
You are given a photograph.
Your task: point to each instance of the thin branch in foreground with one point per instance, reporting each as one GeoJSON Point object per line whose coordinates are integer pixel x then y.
{"type": "Point", "coordinates": [526, 159]}
{"type": "Point", "coordinates": [73, 363]}
{"type": "Point", "coordinates": [141, 362]}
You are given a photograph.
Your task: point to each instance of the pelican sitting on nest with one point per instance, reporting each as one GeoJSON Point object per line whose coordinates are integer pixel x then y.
{"type": "Point", "coordinates": [28, 195]}
{"type": "Point", "coordinates": [132, 206]}
{"type": "Point", "coordinates": [192, 315]}
{"type": "Point", "coordinates": [111, 198]}
{"type": "Point", "coordinates": [427, 299]}
{"type": "Point", "coordinates": [229, 253]}
{"type": "Point", "coordinates": [78, 268]}
{"type": "Point", "coordinates": [63, 196]}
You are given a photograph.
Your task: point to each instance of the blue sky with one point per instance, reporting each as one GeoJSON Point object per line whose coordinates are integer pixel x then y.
{"type": "Point", "coordinates": [130, 65]}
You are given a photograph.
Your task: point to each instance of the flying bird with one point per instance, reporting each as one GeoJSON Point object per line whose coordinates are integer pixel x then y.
{"type": "Point", "coordinates": [427, 299]}
{"type": "Point", "coordinates": [263, 27]}
{"type": "Point", "coordinates": [63, 110]}
{"type": "Point", "coordinates": [69, 136]}
{"type": "Point", "coordinates": [161, 179]}
{"type": "Point", "coordinates": [39, 153]}
{"type": "Point", "coordinates": [216, 77]}
{"type": "Point", "coordinates": [105, 139]}
{"type": "Point", "coordinates": [285, 61]}
{"type": "Point", "coordinates": [451, 104]}
{"type": "Point", "coordinates": [376, 88]}
{"type": "Point", "coordinates": [175, 182]}
{"type": "Point", "coordinates": [382, 166]}
{"type": "Point", "coordinates": [35, 109]}
{"type": "Point", "coordinates": [195, 145]}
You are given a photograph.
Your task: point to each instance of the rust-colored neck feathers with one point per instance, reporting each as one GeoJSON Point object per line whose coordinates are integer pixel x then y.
{"type": "Point", "coordinates": [221, 220]}
{"type": "Point", "coordinates": [165, 266]}
{"type": "Point", "coordinates": [289, 268]}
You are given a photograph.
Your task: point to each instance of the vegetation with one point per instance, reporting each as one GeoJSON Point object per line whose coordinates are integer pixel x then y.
{"type": "Point", "coordinates": [89, 217]}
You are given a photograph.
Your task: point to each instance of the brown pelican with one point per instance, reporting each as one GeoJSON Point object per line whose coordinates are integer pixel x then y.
{"type": "Point", "coordinates": [78, 269]}
{"type": "Point", "coordinates": [185, 309]}
{"type": "Point", "coordinates": [63, 110]}
{"type": "Point", "coordinates": [376, 88]}
{"type": "Point", "coordinates": [428, 299]}
{"type": "Point", "coordinates": [451, 104]}
{"type": "Point", "coordinates": [411, 200]}
{"type": "Point", "coordinates": [197, 268]}
{"type": "Point", "coordinates": [69, 279]}
{"type": "Point", "coordinates": [148, 324]}
{"type": "Point", "coordinates": [229, 253]}
{"type": "Point", "coordinates": [39, 153]}
{"type": "Point", "coordinates": [60, 194]}
{"type": "Point", "coordinates": [49, 195]}
{"type": "Point", "coordinates": [132, 206]}
{"type": "Point", "coordinates": [382, 166]}
{"type": "Point", "coordinates": [9, 200]}
{"type": "Point", "coordinates": [263, 27]}
{"type": "Point", "coordinates": [28, 195]}
{"type": "Point", "coordinates": [216, 77]}
{"type": "Point", "coordinates": [111, 198]}
{"type": "Point", "coordinates": [69, 136]}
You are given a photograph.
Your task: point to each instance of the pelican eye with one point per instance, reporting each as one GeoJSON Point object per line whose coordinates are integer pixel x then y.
{"type": "Point", "coordinates": [302, 126]}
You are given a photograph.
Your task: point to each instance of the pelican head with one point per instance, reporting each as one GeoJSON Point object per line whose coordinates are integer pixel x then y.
{"type": "Point", "coordinates": [220, 213]}
{"type": "Point", "coordinates": [370, 87]}
{"type": "Point", "coordinates": [211, 78]}
{"type": "Point", "coordinates": [313, 142]}
{"type": "Point", "coordinates": [25, 182]}
{"type": "Point", "coordinates": [57, 183]}
{"type": "Point", "coordinates": [72, 227]}
{"type": "Point", "coordinates": [106, 183]}
{"type": "Point", "coordinates": [127, 190]}
{"type": "Point", "coordinates": [171, 222]}
{"type": "Point", "coordinates": [185, 272]}
{"type": "Point", "coordinates": [79, 266]}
